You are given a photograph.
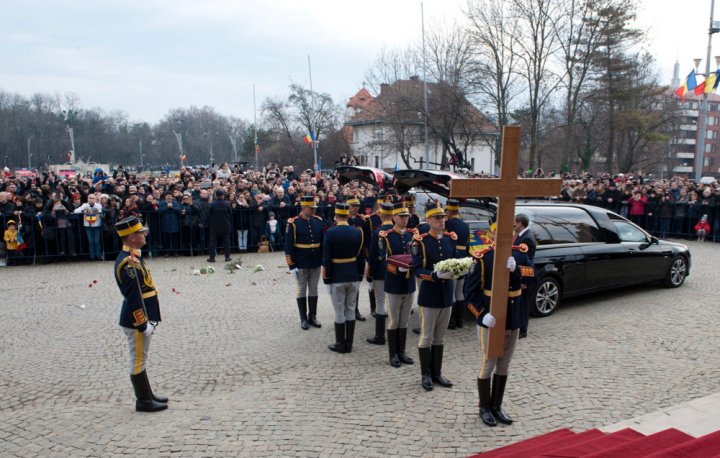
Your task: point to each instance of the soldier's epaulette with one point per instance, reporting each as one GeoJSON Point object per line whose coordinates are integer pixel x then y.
{"type": "Point", "coordinates": [317, 217]}
{"type": "Point", "coordinates": [526, 271]}
{"type": "Point", "coordinates": [451, 234]}
{"type": "Point", "coordinates": [522, 248]}
{"type": "Point", "coordinates": [292, 220]}
{"type": "Point", "coordinates": [474, 310]}
{"type": "Point", "coordinates": [382, 233]}
{"type": "Point", "coordinates": [412, 230]}
{"type": "Point", "coordinates": [363, 217]}
{"type": "Point", "coordinates": [477, 254]}
{"type": "Point", "coordinates": [419, 237]}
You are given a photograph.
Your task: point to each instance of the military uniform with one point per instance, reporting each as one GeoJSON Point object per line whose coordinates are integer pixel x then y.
{"type": "Point", "coordinates": [361, 222]}
{"type": "Point", "coordinates": [342, 270]}
{"type": "Point", "coordinates": [435, 297]}
{"type": "Point", "coordinates": [478, 292]}
{"type": "Point", "coordinates": [399, 287]}
{"type": "Point", "coordinates": [303, 253]}
{"type": "Point", "coordinates": [139, 314]}
{"type": "Point", "coordinates": [462, 230]}
{"type": "Point", "coordinates": [375, 275]}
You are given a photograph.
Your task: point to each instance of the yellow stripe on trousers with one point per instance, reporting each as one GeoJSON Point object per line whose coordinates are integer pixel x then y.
{"type": "Point", "coordinates": [482, 348]}
{"type": "Point", "coordinates": [138, 352]}
{"type": "Point", "coordinates": [422, 325]}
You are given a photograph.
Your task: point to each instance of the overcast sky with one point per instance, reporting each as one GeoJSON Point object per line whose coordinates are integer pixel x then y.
{"type": "Point", "coordinates": [146, 57]}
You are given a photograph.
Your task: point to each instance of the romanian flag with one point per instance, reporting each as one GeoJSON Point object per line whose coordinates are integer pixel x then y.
{"type": "Point", "coordinates": [700, 88]}
{"type": "Point", "coordinates": [309, 138]}
{"type": "Point", "coordinates": [21, 243]}
{"type": "Point", "coordinates": [689, 85]}
{"type": "Point", "coordinates": [711, 82]}
{"type": "Point", "coordinates": [183, 158]}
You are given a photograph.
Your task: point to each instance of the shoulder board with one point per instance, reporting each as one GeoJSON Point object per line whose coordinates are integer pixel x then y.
{"type": "Point", "coordinates": [292, 220]}
{"type": "Point", "coordinates": [317, 217]}
{"type": "Point", "coordinates": [419, 237]}
{"type": "Point", "coordinates": [363, 217]}
{"type": "Point", "coordinates": [412, 230]}
{"type": "Point", "coordinates": [480, 253]}
{"type": "Point", "coordinates": [522, 248]}
{"type": "Point", "coordinates": [451, 234]}
{"type": "Point", "coordinates": [382, 233]}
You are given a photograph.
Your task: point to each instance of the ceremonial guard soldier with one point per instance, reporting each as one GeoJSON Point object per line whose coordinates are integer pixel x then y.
{"type": "Point", "coordinates": [375, 273]}
{"type": "Point", "coordinates": [523, 235]}
{"type": "Point", "coordinates": [436, 293]}
{"type": "Point", "coordinates": [455, 224]}
{"type": "Point", "coordinates": [478, 292]}
{"type": "Point", "coordinates": [303, 253]}
{"type": "Point", "coordinates": [414, 220]}
{"type": "Point", "coordinates": [140, 313]}
{"type": "Point", "coordinates": [360, 221]}
{"type": "Point", "coordinates": [342, 270]}
{"type": "Point", "coordinates": [399, 284]}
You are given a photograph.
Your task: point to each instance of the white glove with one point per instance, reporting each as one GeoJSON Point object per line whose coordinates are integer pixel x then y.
{"type": "Point", "coordinates": [295, 272]}
{"type": "Point", "coordinates": [511, 265]}
{"type": "Point", "coordinates": [327, 288]}
{"type": "Point", "coordinates": [489, 321]}
{"type": "Point", "coordinates": [444, 275]}
{"type": "Point", "coordinates": [149, 329]}
{"type": "Point", "coordinates": [463, 273]}
{"type": "Point", "coordinates": [403, 269]}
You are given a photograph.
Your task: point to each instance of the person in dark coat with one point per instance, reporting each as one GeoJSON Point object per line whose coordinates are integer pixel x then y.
{"type": "Point", "coordinates": [220, 220]}
{"type": "Point", "coordinates": [169, 211]}
{"type": "Point", "coordinates": [523, 235]}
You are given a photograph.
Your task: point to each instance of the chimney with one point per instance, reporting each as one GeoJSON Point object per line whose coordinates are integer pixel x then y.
{"type": "Point", "coordinates": [414, 78]}
{"type": "Point", "coordinates": [676, 76]}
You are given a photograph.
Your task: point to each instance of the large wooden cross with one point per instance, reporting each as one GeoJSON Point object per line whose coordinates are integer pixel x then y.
{"type": "Point", "coordinates": [507, 189]}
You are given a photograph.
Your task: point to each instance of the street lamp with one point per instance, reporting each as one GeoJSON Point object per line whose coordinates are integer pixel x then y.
{"type": "Point", "coordinates": [28, 151]}
{"type": "Point", "coordinates": [700, 147]}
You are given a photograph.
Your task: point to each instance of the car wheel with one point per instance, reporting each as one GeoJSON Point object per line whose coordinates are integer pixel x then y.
{"type": "Point", "coordinates": [546, 297]}
{"type": "Point", "coordinates": [676, 272]}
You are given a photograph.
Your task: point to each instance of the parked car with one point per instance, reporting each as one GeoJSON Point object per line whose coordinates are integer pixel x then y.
{"type": "Point", "coordinates": [582, 249]}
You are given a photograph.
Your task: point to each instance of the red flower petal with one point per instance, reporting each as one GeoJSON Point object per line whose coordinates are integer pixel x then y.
{"type": "Point", "coordinates": [94, 281]}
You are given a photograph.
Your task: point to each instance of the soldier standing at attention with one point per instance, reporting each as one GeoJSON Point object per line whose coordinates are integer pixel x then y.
{"type": "Point", "coordinates": [303, 253]}
{"type": "Point", "coordinates": [436, 293]}
{"type": "Point", "coordinates": [478, 292]}
{"type": "Point", "coordinates": [375, 273]}
{"type": "Point", "coordinates": [455, 224]}
{"type": "Point", "coordinates": [399, 284]}
{"type": "Point", "coordinates": [523, 235]}
{"type": "Point", "coordinates": [140, 313]}
{"type": "Point", "coordinates": [360, 221]}
{"type": "Point", "coordinates": [342, 270]}
{"type": "Point", "coordinates": [414, 220]}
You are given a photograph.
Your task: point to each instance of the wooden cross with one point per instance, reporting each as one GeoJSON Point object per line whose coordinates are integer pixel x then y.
{"type": "Point", "coordinates": [507, 189]}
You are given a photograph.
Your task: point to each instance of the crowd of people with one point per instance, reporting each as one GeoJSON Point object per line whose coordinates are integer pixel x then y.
{"type": "Point", "coordinates": [48, 217]}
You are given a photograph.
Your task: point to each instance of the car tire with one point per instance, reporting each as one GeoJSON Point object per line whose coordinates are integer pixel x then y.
{"type": "Point", "coordinates": [676, 272]}
{"type": "Point", "coordinates": [546, 297]}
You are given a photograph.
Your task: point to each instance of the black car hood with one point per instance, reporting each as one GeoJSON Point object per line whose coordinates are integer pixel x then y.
{"type": "Point", "coordinates": [370, 175]}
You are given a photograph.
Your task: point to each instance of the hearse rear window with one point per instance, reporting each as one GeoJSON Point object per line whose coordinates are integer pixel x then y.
{"type": "Point", "coordinates": [561, 225]}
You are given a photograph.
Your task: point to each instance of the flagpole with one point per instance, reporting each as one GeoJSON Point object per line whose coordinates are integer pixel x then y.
{"type": "Point", "coordinates": [700, 147]}
{"type": "Point", "coordinates": [314, 118]}
{"type": "Point", "coordinates": [257, 164]}
{"type": "Point", "coordinates": [425, 92]}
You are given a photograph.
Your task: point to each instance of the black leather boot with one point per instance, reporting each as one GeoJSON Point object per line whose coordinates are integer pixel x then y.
{"type": "Point", "coordinates": [401, 340]}
{"type": "Point", "coordinates": [358, 316]}
{"type": "Point", "coordinates": [392, 347]}
{"type": "Point", "coordinates": [453, 311]}
{"type": "Point", "coordinates": [379, 338]}
{"type": "Point", "coordinates": [339, 346]}
{"type": "Point", "coordinates": [498, 391]}
{"type": "Point", "coordinates": [459, 313]}
{"type": "Point", "coordinates": [312, 317]}
{"type": "Point", "coordinates": [156, 398]}
{"type": "Point", "coordinates": [373, 303]}
{"type": "Point", "coordinates": [484, 395]}
{"type": "Point", "coordinates": [436, 366]}
{"type": "Point", "coordinates": [144, 401]}
{"type": "Point", "coordinates": [302, 307]}
{"type": "Point", "coordinates": [425, 368]}
{"type": "Point", "coordinates": [349, 335]}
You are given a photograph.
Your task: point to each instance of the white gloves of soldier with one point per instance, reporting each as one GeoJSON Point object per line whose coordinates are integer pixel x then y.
{"type": "Point", "coordinates": [403, 270]}
{"type": "Point", "coordinates": [444, 275]}
{"type": "Point", "coordinates": [149, 329]}
{"type": "Point", "coordinates": [327, 288]}
{"type": "Point", "coordinates": [511, 265]}
{"type": "Point", "coordinates": [295, 272]}
{"type": "Point", "coordinates": [489, 321]}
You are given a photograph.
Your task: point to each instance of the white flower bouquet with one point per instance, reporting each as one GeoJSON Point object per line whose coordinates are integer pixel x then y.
{"type": "Point", "coordinates": [457, 267]}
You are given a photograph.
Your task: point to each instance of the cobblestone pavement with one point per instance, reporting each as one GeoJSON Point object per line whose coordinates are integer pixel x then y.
{"type": "Point", "coordinates": [244, 379]}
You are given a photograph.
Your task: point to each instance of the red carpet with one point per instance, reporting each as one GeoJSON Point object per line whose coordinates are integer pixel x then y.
{"type": "Point", "coordinates": [626, 443]}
